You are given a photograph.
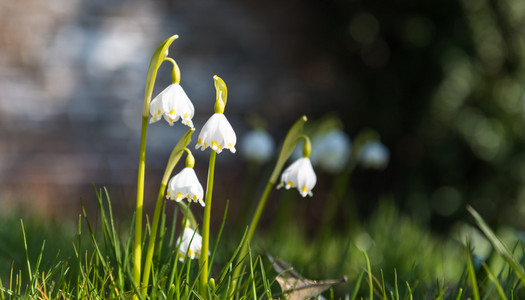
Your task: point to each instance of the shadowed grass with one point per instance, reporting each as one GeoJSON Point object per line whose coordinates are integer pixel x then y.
{"type": "Point", "coordinates": [97, 265]}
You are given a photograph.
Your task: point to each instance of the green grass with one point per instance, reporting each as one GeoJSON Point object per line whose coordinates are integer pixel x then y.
{"type": "Point", "coordinates": [389, 257]}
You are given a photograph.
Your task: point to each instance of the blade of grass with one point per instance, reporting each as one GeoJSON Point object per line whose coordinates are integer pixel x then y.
{"type": "Point", "coordinates": [395, 282]}
{"type": "Point", "coordinates": [357, 285]}
{"type": "Point", "coordinates": [460, 293]}
{"type": "Point", "coordinates": [472, 273]}
{"type": "Point", "coordinates": [383, 285]}
{"type": "Point", "coordinates": [267, 290]}
{"type": "Point", "coordinates": [252, 276]}
{"type": "Point", "coordinates": [369, 270]}
{"type": "Point", "coordinates": [495, 281]}
{"type": "Point", "coordinates": [30, 273]}
{"type": "Point", "coordinates": [500, 247]}
{"type": "Point", "coordinates": [409, 291]}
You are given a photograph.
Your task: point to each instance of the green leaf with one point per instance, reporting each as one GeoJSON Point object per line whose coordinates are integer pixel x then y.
{"type": "Point", "coordinates": [472, 274]}
{"type": "Point", "coordinates": [156, 61]}
{"type": "Point", "coordinates": [494, 280]}
{"type": "Point", "coordinates": [498, 245]}
{"type": "Point", "coordinates": [288, 146]}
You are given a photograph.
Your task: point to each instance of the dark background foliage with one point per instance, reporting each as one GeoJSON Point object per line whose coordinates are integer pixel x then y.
{"type": "Point", "coordinates": [440, 81]}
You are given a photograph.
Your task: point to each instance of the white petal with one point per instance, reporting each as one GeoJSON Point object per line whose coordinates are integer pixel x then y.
{"type": "Point", "coordinates": [299, 174]}
{"type": "Point", "coordinates": [217, 133]}
{"type": "Point", "coordinates": [155, 110]}
{"type": "Point", "coordinates": [185, 185]}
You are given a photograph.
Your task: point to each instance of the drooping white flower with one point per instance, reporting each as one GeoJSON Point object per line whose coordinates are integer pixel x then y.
{"type": "Point", "coordinates": [185, 185]}
{"type": "Point", "coordinates": [190, 242]}
{"type": "Point", "coordinates": [331, 150]}
{"type": "Point", "coordinates": [301, 175]}
{"type": "Point", "coordinates": [172, 104]}
{"type": "Point", "coordinates": [374, 155]}
{"type": "Point", "coordinates": [257, 145]}
{"type": "Point", "coordinates": [218, 134]}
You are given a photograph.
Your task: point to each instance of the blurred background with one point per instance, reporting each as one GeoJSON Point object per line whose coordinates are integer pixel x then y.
{"type": "Point", "coordinates": [440, 83]}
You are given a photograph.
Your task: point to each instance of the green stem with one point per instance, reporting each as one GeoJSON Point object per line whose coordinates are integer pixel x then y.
{"type": "Point", "coordinates": [152, 238]}
{"type": "Point", "coordinates": [137, 251]}
{"type": "Point", "coordinates": [172, 162]}
{"type": "Point", "coordinates": [156, 61]}
{"type": "Point", "coordinates": [206, 228]}
{"type": "Point", "coordinates": [251, 230]}
{"type": "Point", "coordinates": [289, 144]}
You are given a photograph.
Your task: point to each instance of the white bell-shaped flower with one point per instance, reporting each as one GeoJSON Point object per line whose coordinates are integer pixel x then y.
{"type": "Point", "coordinates": [185, 185]}
{"type": "Point", "coordinates": [257, 145]}
{"type": "Point", "coordinates": [172, 104]}
{"type": "Point", "coordinates": [191, 243]}
{"type": "Point", "coordinates": [218, 134]}
{"type": "Point", "coordinates": [301, 175]}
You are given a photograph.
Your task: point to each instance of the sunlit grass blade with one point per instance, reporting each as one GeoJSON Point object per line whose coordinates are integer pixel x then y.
{"type": "Point", "coordinates": [267, 290]}
{"type": "Point", "coordinates": [383, 288]}
{"type": "Point", "coordinates": [252, 276]}
{"type": "Point", "coordinates": [409, 290]}
{"type": "Point", "coordinates": [495, 281]}
{"type": "Point", "coordinates": [357, 285]}
{"type": "Point", "coordinates": [472, 273]}
{"type": "Point", "coordinates": [395, 284]}
{"type": "Point", "coordinates": [30, 273]}
{"type": "Point", "coordinates": [460, 294]}
{"type": "Point", "coordinates": [369, 271]}
{"type": "Point", "coordinates": [498, 245]}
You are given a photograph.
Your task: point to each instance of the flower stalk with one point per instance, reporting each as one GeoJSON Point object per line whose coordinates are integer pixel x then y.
{"type": "Point", "coordinates": [172, 162]}
{"type": "Point", "coordinates": [156, 61]}
{"type": "Point", "coordinates": [218, 134]}
{"type": "Point", "coordinates": [294, 134]}
{"type": "Point", "coordinates": [203, 262]}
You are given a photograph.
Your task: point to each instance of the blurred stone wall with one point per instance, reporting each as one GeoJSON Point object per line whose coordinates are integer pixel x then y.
{"type": "Point", "coordinates": [72, 76]}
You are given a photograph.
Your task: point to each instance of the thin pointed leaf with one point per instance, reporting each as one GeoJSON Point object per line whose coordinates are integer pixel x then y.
{"type": "Point", "coordinates": [288, 147]}
{"type": "Point", "coordinates": [494, 280]}
{"type": "Point", "coordinates": [500, 247]}
{"type": "Point", "coordinates": [156, 61]}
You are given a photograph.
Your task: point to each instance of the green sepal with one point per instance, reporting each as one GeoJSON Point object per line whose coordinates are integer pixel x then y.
{"type": "Point", "coordinates": [221, 94]}
{"type": "Point", "coordinates": [156, 60]}
{"type": "Point", "coordinates": [288, 146]}
{"type": "Point", "coordinates": [190, 160]}
{"type": "Point", "coordinates": [175, 71]}
{"type": "Point", "coordinates": [307, 146]}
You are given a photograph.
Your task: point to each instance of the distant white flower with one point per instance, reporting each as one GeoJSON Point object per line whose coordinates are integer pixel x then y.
{"type": "Point", "coordinates": [218, 134]}
{"type": "Point", "coordinates": [300, 174]}
{"type": "Point", "coordinates": [190, 242]}
{"type": "Point", "coordinates": [331, 150]}
{"type": "Point", "coordinates": [257, 145]}
{"type": "Point", "coordinates": [374, 155]}
{"type": "Point", "coordinates": [185, 185]}
{"type": "Point", "coordinates": [172, 104]}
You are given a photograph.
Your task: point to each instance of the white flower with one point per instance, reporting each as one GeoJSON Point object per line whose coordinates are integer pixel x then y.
{"type": "Point", "coordinates": [185, 185]}
{"type": "Point", "coordinates": [257, 145]}
{"type": "Point", "coordinates": [374, 155]}
{"type": "Point", "coordinates": [300, 174]}
{"type": "Point", "coordinates": [331, 150]}
{"type": "Point", "coordinates": [218, 134]}
{"type": "Point", "coordinates": [190, 242]}
{"type": "Point", "coordinates": [172, 104]}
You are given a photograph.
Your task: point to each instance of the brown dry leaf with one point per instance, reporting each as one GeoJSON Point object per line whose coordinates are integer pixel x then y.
{"type": "Point", "coordinates": [296, 287]}
{"type": "Point", "coordinates": [302, 288]}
